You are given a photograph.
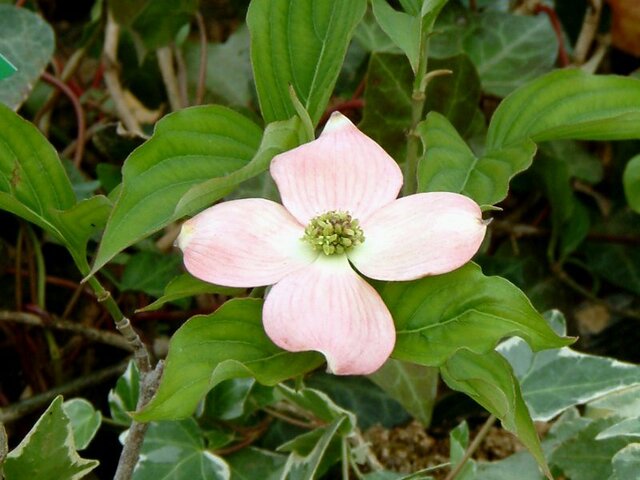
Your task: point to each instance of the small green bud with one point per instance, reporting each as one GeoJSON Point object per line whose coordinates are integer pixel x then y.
{"type": "Point", "coordinates": [334, 232]}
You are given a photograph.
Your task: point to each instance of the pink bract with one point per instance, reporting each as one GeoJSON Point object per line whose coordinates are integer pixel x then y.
{"type": "Point", "coordinates": [319, 302]}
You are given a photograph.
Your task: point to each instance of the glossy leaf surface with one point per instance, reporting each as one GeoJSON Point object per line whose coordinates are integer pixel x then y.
{"type": "Point", "coordinates": [48, 452]}
{"type": "Point", "coordinates": [210, 348]}
{"type": "Point", "coordinates": [303, 44]}
{"type": "Point", "coordinates": [187, 148]}
{"type": "Point", "coordinates": [436, 316]}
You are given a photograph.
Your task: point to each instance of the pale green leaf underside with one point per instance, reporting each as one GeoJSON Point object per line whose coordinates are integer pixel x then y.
{"type": "Point", "coordinates": [555, 380]}
{"type": "Point", "coordinates": [438, 315]}
{"type": "Point", "coordinates": [85, 420]}
{"type": "Point", "coordinates": [211, 348]}
{"type": "Point", "coordinates": [404, 29]}
{"type": "Point", "coordinates": [176, 451]}
{"type": "Point", "coordinates": [300, 43]}
{"type": "Point", "coordinates": [27, 41]}
{"type": "Point", "coordinates": [48, 451]}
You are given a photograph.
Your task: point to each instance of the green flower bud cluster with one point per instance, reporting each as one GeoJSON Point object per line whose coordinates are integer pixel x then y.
{"type": "Point", "coordinates": [334, 232]}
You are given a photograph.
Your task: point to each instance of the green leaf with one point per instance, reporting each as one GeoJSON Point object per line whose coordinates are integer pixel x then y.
{"type": "Point", "coordinates": [361, 396]}
{"type": "Point", "coordinates": [520, 465]}
{"type": "Point", "coordinates": [319, 404]}
{"type": "Point", "coordinates": [85, 421]}
{"type": "Point", "coordinates": [618, 264]}
{"type": "Point", "coordinates": [576, 455]}
{"type": "Point", "coordinates": [449, 165]}
{"type": "Point", "coordinates": [136, 276]}
{"type": "Point", "coordinates": [229, 399]}
{"type": "Point", "coordinates": [34, 186]}
{"type": "Point", "coordinates": [176, 451]}
{"type": "Point", "coordinates": [404, 29]}
{"type": "Point", "coordinates": [624, 403]}
{"type": "Point", "coordinates": [455, 96]}
{"type": "Point", "coordinates": [253, 463]}
{"type": "Point", "coordinates": [208, 349]}
{"type": "Point", "coordinates": [32, 178]}
{"type": "Point", "coordinates": [187, 148]}
{"type": "Point", "coordinates": [156, 22]}
{"type": "Point", "coordinates": [387, 102]}
{"type": "Point", "coordinates": [387, 97]}
{"type": "Point", "coordinates": [184, 286]}
{"type": "Point", "coordinates": [555, 380]}
{"type": "Point", "coordinates": [489, 380]}
{"type": "Point", "coordinates": [47, 452]}
{"type": "Point", "coordinates": [278, 137]}
{"type": "Point", "coordinates": [229, 76]}
{"type": "Point", "coordinates": [568, 104]}
{"type": "Point", "coordinates": [302, 44]}
{"type": "Point", "coordinates": [28, 42]}
{"type": "Point", "coordinates": [413, 386]}
{"type": "Point", "coordinates": [436, 316]}
{"type": "Point", "coordinates": [124, 397]}
{"type": "Point", "coordinates": [629, 427]}
{"type": "Point", "coordinates": [81, 222]}
{"type": "Point", "coordinates": [509, 50]}
{"type": "Point", "coordinates": [309, 450]}
{"type": "Point", "coordinates": [372, 38]}
{"type": "Point", "coordinates": [631, 181]}
{"type": "Point", "coordinates": [626, 462]}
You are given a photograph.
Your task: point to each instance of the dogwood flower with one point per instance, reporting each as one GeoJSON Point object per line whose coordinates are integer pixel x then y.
{"type": "Point", "coordinates": [339, 212]}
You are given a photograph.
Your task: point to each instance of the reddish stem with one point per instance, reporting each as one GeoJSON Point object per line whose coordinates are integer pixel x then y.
{"type": "Point", "coordinates": [80, 140]}
{"type": "Point", "coordinates": [352, 104]}
{"type": "Point", "coordinates": [563, 57]}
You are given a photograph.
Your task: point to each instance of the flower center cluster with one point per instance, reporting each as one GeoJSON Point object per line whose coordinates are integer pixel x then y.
{"type": "Point", "coordinates": [333, 232]}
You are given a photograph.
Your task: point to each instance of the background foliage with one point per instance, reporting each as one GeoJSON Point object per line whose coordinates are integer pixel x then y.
{"type": "Point", "coordinates": [123, 118]}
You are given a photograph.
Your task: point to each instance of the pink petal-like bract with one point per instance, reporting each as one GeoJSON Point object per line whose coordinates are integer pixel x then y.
{"type": "Point", "coordinates": [342, 170]}
{"type": "Point", "coordinates": [329, 308]}
{"type": "Point", "coordinates": [419, 235]}
{"type": "Point", "coordinates": [244, 243]}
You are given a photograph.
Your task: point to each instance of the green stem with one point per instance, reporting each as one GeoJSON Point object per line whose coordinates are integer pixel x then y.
{"type": "Point", "coordinates": [418, 99]}
{"type": "Point", "coordinates": [345, 459]}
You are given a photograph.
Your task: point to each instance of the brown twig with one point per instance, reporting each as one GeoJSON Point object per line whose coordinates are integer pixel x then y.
{"type": "Point", "coordinates": [101, 336]}
{"type": "Point", "coordinates": [165, 62]}
{"type": "Point", "coordinates": [290, 420]}
{"type": "Point", "coordinates": [472, 447]}
{"type": "Point", "coordinates": [251, 436]}
{"type": "Point", "coordinates": [53, 280]}
{"type": "Point", "coordinates": [565, 278]}
{"type": "Point", "coordinates": [588, 31]}
{"type": "Point", "coordinates": [77, 107]}
{"type": "Point", "coordinates": [202, 72]}
{"type": "Point", "coordinates": [25, 407]}
{"type": "Point", "coordinates": [135, 436]}
{"type": "Point", "coordinates": [182, 76]}
{"type": "Point", "coordinates": [112, 78]}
